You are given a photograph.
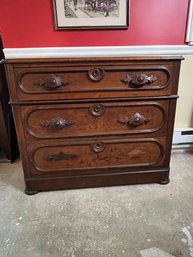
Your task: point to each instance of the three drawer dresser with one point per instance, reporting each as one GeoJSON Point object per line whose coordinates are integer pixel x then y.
{"type": "Point", "coordinates": [89, 122]}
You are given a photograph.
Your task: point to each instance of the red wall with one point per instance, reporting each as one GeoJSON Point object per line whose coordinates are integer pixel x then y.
{"type": "Point", "coordinates": [30, 23]}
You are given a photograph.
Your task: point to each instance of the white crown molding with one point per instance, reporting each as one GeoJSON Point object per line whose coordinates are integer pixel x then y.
{"type": "Point", "coordinates": [113, 51]}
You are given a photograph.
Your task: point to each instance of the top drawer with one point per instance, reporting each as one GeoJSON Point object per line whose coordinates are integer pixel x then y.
{"type": "Point", "coordinates": [96, 79]}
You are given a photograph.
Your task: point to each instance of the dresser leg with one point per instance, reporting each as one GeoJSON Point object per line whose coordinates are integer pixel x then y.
{"type": "Point", "coordinates": [165, 182]}
{"type": "Point", "coordinates": [28, 192]}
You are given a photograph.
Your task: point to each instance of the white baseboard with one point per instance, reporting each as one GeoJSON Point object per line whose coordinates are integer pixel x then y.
{"type": "Point", "coordinates": [96, 51]}
{"type": "Point", "coordinates": [183, 136]}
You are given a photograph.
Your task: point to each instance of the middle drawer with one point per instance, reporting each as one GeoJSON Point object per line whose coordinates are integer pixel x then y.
{"type": "Point", "coordinates": [94, 119]}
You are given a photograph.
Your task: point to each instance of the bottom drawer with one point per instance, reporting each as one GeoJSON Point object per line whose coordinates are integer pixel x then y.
{"type": "Point", "coordinates": [94, 157]}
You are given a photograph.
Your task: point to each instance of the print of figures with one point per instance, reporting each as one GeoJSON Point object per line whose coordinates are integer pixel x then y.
{"type": "Point", "coordinates": [91, 8]}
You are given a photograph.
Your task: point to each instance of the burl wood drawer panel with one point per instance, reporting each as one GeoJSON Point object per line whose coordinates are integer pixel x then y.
{"type": "Point", "coordinates": [59, 83]}
{"type": "Point", "coordinates": [94, 119]}
{"type": "Point", "coordinates": [88, 157]}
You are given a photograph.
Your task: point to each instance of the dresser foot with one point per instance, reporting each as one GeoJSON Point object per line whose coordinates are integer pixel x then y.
{"type": "Point", "coordinates": [165, 182]}
{"type": "Point", "coordinates": [28, 192]}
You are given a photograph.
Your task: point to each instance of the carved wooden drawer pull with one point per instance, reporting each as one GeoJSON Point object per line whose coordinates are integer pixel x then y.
{"type": "Point", "coordinates": [139, 80]}
{"type": "Point", "coordinates": [134, 120]}
{"type": "Point", "coordinates": [97, 110]}
{"type": "Point", "coordinates": [61, 156]}
{"type": "Point", "coordinates": [57, 123]}
{"type": "Point", "coordinates": [52, 82]}
{"type": "Point", "coordinates": [96, 74]}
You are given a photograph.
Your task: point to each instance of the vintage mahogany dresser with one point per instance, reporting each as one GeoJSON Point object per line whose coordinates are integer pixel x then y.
{"type": "Point", "coordinates": [92, 122]}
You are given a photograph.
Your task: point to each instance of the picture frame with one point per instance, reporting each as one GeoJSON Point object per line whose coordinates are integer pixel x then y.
{"type": "Point", "coordinates": [91, 14]}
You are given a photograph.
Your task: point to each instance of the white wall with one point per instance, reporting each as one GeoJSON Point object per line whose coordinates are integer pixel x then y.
{"type": "Point", "coordinates": [184, 111]}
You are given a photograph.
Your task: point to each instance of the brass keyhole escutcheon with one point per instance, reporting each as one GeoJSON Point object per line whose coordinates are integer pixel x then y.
{"type": "Point", "coordinates": [97, 110]}
{"type": "Point", "coordinates": [96, 74]}
{"type": "Point", "coordinates": [98, 147]}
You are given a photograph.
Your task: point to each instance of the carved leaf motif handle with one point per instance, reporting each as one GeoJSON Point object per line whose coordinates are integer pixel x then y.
{"type": "Point", "coordinates": [138, 80]}
{"type": "Point", "coordinates": [134, 120]}
{"type": "Point", "coordinates": [61, 156]}
{"type": "Point", "coordinates": [57, 123]}
{"type": "Point", "coordinates": [52, 82]}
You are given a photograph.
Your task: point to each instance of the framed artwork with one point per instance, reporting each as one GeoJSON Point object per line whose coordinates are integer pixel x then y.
{"type": "Point", "coordinates": [189, 31]}
{"type": "Point", "coordinates": [91, 14]}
